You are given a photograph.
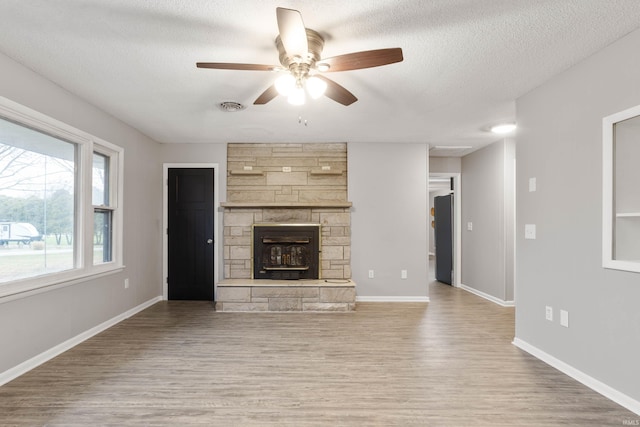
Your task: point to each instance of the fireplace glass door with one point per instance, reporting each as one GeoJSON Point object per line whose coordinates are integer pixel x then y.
{"type": "Point", "coordinates": [286, 251]}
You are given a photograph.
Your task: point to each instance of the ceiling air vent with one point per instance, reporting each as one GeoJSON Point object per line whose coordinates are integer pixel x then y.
{"type": "Point", "coordinates": [231, 106]}
{"type": "Point", "coordinates": [449, 150]}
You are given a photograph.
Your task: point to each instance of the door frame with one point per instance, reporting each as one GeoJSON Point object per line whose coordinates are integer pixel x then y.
{"type": "Point", "coordinates": [457, 222]}
{"type": "Point", "coordinates": [165, 221]}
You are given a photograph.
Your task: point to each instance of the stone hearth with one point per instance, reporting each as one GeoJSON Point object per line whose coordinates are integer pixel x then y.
{"type": "Point", "coordinates": [286, 295]}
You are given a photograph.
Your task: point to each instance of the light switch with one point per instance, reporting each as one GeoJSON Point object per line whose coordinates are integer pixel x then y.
{"type": "Point", "coordinates": [532, 184]}
{"type": "Point", "coordinates": [564, 318]}
{"type": "Point", "coordinates": [469, 226]}
{"type": "Point", "coordinates": [530, 231]}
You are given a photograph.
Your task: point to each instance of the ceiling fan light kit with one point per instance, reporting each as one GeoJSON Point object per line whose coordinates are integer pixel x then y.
{"type": "Point", "coordinates": [297, 96]}
{"type": "Point", "coordinates": [316, 87]}
{"type": "Point", "coordinates": [285, 84]}
{"type": "Point", "coordinates": [299, 52]}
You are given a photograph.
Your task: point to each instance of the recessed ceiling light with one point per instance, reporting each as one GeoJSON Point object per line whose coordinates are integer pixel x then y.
{"type": "Point", "coordinates": [231, 106]}
{"type": "Point", "coordinates": [503, 128]}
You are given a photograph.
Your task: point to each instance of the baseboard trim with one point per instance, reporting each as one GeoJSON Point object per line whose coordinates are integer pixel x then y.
{"type": "Point", "coordinates": [47, 355]}
{"type": "Point", "coordinates": [594, 384]}
{"type": "Point", "coordinates": [391, 299]}
{"type": "Point", "coordinates": [488, 297]}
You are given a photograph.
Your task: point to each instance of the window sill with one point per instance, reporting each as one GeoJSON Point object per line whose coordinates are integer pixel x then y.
{"type": "Point", "coordinates": [28, 287]}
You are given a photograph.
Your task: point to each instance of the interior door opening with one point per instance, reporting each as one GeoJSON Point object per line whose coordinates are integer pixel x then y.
{"type": "Point", "coordinates": [190, 234]}
{"type": "Point", "coordinates": [448, 185]}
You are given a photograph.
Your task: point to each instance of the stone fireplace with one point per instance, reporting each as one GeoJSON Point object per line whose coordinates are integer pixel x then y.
{"type": "Point", "coordinates": [289, 252]}
{"type": "Point", "coordinates": [291, 186]}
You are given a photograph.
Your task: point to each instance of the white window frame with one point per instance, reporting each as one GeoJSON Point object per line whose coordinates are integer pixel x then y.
{"type": "Point", "coordinates": [86, 144]}
{"type": "Point", "coordinates": [608, 193]}
{"type": "Point", "coordinates": [115, 155]}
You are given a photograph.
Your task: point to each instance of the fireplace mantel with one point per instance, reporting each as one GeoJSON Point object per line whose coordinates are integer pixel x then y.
{"type": "Point", "coordinates": [286, 205]}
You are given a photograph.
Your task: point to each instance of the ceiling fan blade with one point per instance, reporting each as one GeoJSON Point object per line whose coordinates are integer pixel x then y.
{"type": "Point", "coordinates": [337, 93]}
{"type": "Point", "coordinates": [232, 66]}
{"type": "Point", "coordinates": [266, 96]}
{"type": "Point", "coordinates": [364, 59]}
{"type": "Point", "coordinates": [292, 32]}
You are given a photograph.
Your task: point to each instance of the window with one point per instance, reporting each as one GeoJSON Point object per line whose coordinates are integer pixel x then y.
{"type": "Point", "coordinates": [53, 227]}
{"type": "Point", "coordinates": [102, 209]}
{"type": "Point", "coordinates": [37, 198]}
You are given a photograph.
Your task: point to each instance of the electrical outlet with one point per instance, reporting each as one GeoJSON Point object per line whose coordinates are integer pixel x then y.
{"type": "Point", "coordinates": [469, 226]}
{"type": "Point", "coordinates": [371, 274]}
{"type": "Point", "coordinates": [530, 231]}
{"type": "Point", "coordinates": [286, 169]}
{"type": "Point", "coordinates": [549, 313]}
{"type": "Point", "coordinates": [403, 274]}
{"type": "Point", "coordinates": [564, 318]}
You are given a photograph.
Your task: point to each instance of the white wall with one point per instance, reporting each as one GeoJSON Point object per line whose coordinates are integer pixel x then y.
{"type": "Point", "coordinates": [559, 142]}
{"type": "Point", "coordinates": [445, 164]}
{"type": "Point", "coordinates": [388, 188]}
{"type": "Point", "coordinates": [34, 324]}
{"type": "Point", "coordinates": [487, 202]}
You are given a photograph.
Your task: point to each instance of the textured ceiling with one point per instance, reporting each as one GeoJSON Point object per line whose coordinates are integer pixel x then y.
{"type": "Point", "coordinates": [466, 61]}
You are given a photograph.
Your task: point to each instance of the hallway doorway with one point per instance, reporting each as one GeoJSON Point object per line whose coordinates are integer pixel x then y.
{"type": "Point", "coordinates": [445, 184]}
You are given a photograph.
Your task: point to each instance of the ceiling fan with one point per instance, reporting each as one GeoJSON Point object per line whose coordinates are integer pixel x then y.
{"type": "Point", "coordinates": [300, 52]}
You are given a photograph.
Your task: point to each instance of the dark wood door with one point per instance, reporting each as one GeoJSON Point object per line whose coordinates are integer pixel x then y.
{"type": "Point", "coordinates": [443, 234]}
{"type": "Point", "coordinates": [190, 234]}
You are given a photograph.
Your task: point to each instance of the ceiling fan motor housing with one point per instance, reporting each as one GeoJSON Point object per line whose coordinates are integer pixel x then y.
{"type": "Point", "coordinates": [315, 43]}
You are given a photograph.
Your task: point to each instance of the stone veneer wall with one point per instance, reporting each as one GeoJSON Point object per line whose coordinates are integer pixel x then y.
{"type": "Point", "coordinates": [287, 184]}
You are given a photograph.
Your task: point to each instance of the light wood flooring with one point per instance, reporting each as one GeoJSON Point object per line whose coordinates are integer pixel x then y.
{"type": "Point", "coordinates": [446, 363]}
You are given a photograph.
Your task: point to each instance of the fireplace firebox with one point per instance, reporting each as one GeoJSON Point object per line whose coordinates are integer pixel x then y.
{"type": "Point", "coordinates": [286, 251]}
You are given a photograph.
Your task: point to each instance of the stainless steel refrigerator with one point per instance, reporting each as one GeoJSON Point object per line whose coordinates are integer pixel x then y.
{"type": "Point", "coordinates": [443, 233]}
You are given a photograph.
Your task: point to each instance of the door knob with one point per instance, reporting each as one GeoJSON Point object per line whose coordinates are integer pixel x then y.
{"type": "Point", "coordinates": [209, 241]}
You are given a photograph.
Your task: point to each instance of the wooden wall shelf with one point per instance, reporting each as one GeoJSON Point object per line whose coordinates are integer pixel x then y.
{"type": "Point", "coordinates": [246, 172]}
{"type": "Point", "coordinates": [325, 172]}
{"type": "Point", "coordinates": [286, 205]}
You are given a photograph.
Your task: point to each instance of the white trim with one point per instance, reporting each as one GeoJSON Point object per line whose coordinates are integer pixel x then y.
{"type": "Point", "coordinates": [457, 213]}
{"type": "Point", "coordinates": [608, 192]}
{"type": "Point", "coordinates": [116, 188]}
{"type": "Point", "coordinates": [165, 221]}
{"type": "Point", "coordinates": [488, 297]}
{"type": "Point", "coordinates": [391, 299]}
{"type": "Point", "coordinates": [15, 293]}
{"type": "Point", "coordinates": [43, 123]}
{"type": "Point", "coordinates": [45, 356]}
{"type": "Point", "coordinates": [594, 384]}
